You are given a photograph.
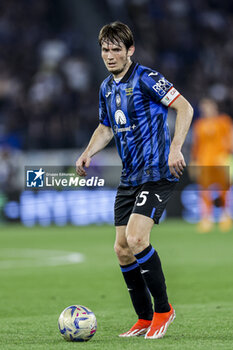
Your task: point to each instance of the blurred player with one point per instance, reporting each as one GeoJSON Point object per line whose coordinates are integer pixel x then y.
{"type": "Point", "coordinates": [133, 107]}
{"type": "Point", "coordinates": [212, 145]}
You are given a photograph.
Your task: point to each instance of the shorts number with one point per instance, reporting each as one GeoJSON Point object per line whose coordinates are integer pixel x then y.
{"type": "Point", "coordinates": [144, 198]}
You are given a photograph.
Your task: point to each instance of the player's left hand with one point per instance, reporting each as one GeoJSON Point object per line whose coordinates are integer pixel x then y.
{"type": "Point", "coordinates": [176, 162]}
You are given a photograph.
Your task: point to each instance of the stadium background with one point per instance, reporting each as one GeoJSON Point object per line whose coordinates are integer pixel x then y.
{"type": "Point", "coordinates": [50, 72]}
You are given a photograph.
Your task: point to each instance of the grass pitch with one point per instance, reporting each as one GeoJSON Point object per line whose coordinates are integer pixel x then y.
{"type": "Point", "coordinates": [37, 283]}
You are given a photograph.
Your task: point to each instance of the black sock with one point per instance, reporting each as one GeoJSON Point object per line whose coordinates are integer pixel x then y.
{"type": "Point", "coordinates": [152, 272]}
{"type": "Point", "coordinates": [138, 290]}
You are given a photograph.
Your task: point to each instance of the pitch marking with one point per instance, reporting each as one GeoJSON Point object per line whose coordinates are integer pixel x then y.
{"type": "Point", "coordinates": [17, 258]}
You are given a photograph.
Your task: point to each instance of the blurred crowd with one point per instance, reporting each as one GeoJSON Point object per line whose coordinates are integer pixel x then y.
{"type": "Point", "coordinates": [48, 79]}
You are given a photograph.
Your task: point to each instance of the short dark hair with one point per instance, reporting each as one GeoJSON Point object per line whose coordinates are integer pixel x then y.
{"type": "Point", "coordinates": [116, 32]}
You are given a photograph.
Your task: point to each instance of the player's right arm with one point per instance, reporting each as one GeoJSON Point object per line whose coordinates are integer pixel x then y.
{"type": "Point", "coordinates": [100, 138]}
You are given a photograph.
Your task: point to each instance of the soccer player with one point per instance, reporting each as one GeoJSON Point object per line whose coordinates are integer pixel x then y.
{"type": "Point", "coordinates": [133, 106]}
{"type": "Point", "coordinates": [211, 149]}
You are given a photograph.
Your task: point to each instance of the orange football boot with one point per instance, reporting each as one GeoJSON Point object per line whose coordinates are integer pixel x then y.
{"type": "Point", "coordinates": [160, 323]}
{"type": "Point", "coordinates": [140, 328]}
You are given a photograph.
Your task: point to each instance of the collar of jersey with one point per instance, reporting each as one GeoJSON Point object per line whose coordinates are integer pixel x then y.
{"type": "Point", "coordinates": [127, 74]}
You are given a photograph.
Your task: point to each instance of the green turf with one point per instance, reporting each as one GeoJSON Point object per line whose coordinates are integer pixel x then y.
{"type": "Point", "coordinates": [198, 271]}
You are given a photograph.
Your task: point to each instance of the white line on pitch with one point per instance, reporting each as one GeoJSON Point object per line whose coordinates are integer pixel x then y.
{"type": "Point", "coordinates": [17, 257]}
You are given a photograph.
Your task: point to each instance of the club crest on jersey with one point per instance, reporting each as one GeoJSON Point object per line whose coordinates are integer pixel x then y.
{"type": "Point", "coordinates": [118, 100]}
{"type": "Point", "coordinates": [120, 117]}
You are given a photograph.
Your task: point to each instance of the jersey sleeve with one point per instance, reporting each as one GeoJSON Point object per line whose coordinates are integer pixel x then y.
{"type": "Point", "coordinates": [159, 88]}
{"type": "Point", "coordinates": [103, 115]}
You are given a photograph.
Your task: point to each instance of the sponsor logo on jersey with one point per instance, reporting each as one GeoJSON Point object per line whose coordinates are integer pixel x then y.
{"type": "Point", "coordinates": [116, 129]}
{"type": "Point", "coordinates": [153, 73]}
{"type": "Point", "coordinates": [162, 87]}
{"type": "Point", "coordinates": [120, 117]}
{"type": "Point", "coordinates": [108, 94]}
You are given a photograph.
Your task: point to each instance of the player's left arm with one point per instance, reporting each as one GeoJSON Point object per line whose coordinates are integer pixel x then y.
{"type": "Point", "coordinates": [184, 116]}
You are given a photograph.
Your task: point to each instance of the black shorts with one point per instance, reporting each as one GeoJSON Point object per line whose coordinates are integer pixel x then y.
{"type": "Point", "coordinates": [148, 199]}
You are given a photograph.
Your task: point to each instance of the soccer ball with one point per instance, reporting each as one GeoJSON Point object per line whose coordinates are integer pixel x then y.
{"type": "Point", "coordinates": [77, 323]}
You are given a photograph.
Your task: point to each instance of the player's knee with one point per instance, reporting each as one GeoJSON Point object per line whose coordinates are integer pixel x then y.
{"type": "Point", "coordinates": [122, 252]}
{"type": "Point", "coordinates": [124, 255]}
{"type": "Point", "coordinates": [135, 243]}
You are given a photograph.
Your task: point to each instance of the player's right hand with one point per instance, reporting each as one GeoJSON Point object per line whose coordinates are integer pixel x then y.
{"type": "Point", "coordinates": [83, 161]}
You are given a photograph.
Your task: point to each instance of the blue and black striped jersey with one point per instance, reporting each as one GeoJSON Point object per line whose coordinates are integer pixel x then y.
{"type": "Point", "coordinates": [136, 110]}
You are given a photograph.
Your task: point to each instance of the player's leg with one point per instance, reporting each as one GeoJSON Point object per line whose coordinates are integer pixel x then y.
{"type": "Point", "coordinates": [138, 238]}
{"type": "Point", "coordinates": [205, 224]}
{"type": "Point", "coordinates": [223, 181]}
{"type": "Point", "coordinates": [138, 235]}
{"type": "Point", "coordinates": [148, 208]}
{"type": "Point", "coordinates": [137, 288]}
{"type": "Point", "coordinates": [225, 223]}
{"type": "Point", "coordinates": [122, 250]}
